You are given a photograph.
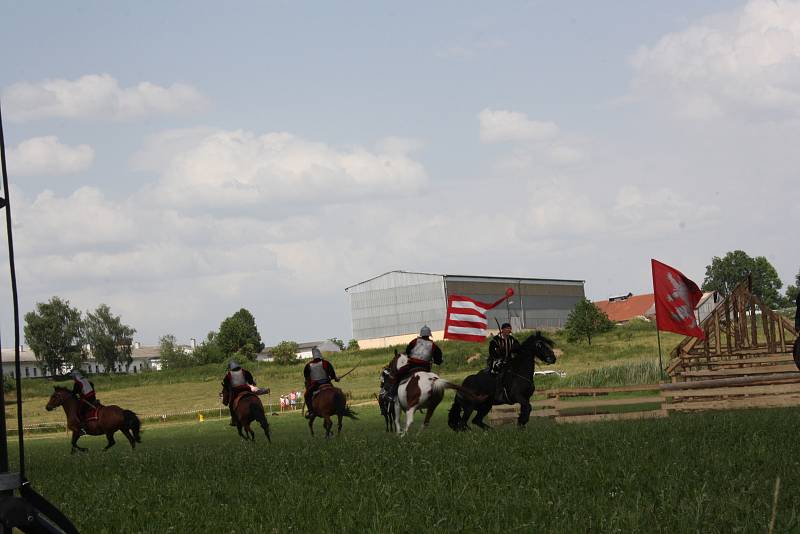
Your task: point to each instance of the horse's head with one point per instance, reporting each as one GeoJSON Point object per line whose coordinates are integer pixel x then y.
{"type": "Point", "coordinates": [398, 361]}
{"type": "Point", "coordinates": [58, 398]}
{"type": "Point", "coordinates": [540, 347]}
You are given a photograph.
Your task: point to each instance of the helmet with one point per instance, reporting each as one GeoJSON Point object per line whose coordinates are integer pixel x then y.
{"type": "Point", "coordinates": [315, 353]}
{"type": "Point", "coordinates": [505, 325]}
{"type": "Point", "coordinates": [233, 365]}
{"type": "Point", "coordinates": [76, 373]}
{"type": "Point", "coordinates": [425, 331]}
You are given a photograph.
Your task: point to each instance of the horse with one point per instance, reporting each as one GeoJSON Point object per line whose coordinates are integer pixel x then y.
{"type": "Point", "coordinates": [105, 420]}
{"type": "Point", "coordinates": [518, 385]}
{"type": "Point", "coordinates": [328, 401]}
{"type": "Point", "coordinates": [422, 390]}
{"type": "Point", "coordinates": [247, 408]}
{"type": "Point", "coordinates": [386, 408]}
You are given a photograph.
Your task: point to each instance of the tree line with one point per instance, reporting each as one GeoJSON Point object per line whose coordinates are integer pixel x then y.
{"type": "Point", "coordinates": [61, 336]}
{"type": "Point", "coordinates": [722, 275]}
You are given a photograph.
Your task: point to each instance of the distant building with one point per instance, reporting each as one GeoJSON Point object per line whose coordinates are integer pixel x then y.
{"type": "Point", "coordinates": [143, 360]}
{"type": "Point", "coordinates": [389, 309]}
{"type": "Point", "coordinates": [628, 307]}
{"type": "Point", "coordinates": [303, 350]}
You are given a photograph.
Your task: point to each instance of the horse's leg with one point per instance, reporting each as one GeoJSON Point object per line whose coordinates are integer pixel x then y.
{"type": "Point", "coordinates": [110, 438]}
{"type": "Point", "coordinates": [311, 424]}
{"type": "Point", "coordinates": [249, 432]}
{"type": "Point", "coordinates": [339, 426]}
{"type": "Point", "coordinates": [131, 439]}
{"type": "Point", "coordinates": [328, 426]}
{"type": "Point", "coordinates": [428, 417]}
{"type": "Point", "coordinates": [76, 434]}
{"type": "Point", "coordinates": [463, 423]}
{"type": "Point", "coordinates": [409, 419]}
{"type": "Point", "coordinates": [481, 412]}
{"type": "Point", "coordinates": [396, 409]}
{"type": "Point", "coordinates": [525, 409]}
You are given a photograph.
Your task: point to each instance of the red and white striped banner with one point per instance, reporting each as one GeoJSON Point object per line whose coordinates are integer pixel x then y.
{"type": "Point", "coordinates": [466, 317]}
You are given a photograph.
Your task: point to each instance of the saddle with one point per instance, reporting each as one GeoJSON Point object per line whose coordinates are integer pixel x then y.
{"type": "Point", "coordinates": [238, 398]}
{"type": "Point", "coordinates": [92, 412]}
{"type": "Point", "coordinates": [321, 388]}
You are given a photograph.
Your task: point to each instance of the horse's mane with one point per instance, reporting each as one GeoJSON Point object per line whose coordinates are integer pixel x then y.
{"type": "Point", "coordinates": [538, 336]}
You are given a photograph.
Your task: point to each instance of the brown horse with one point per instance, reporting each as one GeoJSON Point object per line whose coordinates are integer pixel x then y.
{"type": "Point", "coordinates": [248, 408]}
{"type": "Point", "coordinates": [329, 401]}
{"type": "Point", "coordinates": [108, 420]}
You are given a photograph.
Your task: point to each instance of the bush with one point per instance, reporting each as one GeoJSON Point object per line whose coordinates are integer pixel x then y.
{"type": "Point", "coordinates": [352, 345]}
{"type": "Point", "coordinates": [285, 352]}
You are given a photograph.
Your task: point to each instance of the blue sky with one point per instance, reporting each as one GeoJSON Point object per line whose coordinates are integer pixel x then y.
{"type": "Point", "coordinates": [178, 161]}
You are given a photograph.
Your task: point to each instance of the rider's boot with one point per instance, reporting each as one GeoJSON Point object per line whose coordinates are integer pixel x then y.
{"type": "Point", "coordinates": [233, 417]}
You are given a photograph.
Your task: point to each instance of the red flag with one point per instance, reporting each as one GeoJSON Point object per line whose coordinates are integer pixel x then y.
{"type": "Point", "coordinates": [676, 298]}
{"type": "Point", "coordinates": [466, 318]}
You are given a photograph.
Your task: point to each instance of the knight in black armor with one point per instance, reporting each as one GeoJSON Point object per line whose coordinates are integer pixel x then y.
{"type": "Point", "coordinates": [502, 349]}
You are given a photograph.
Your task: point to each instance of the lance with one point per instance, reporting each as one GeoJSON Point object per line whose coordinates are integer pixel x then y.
{"type": "Point", "coordinates": [350, 371]}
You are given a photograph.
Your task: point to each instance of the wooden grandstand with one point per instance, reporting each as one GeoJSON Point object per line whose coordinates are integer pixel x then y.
{"type": "Point", "coordinates": [744, 337]}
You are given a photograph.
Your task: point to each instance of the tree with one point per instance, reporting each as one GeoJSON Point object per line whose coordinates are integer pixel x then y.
{"type": "Point", "coordinates": [236, 332]}
{"type": "Point", "coordinates": [208, 351]}
{"type": "Point", "coordinates": [338, 342]}
{"type": "Point", "coordinates": [586, 320]}
{"type": "Point", "coordinates": [352, 345]}
{"type": "Point", "coordinates": [172, 356]}
{"type": "Point", "coordinates": [285, 352]}
{"type": "Point", "coordinates": [54, 334]}
{"type": "Point", "coordinates": [109, 340]}
{"type": "Point", "coordinates": [792, 291]}
{"type": "Point", "coordinates": [725, 273]}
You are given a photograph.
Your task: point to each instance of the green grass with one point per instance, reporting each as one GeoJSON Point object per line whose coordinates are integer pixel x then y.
{"type": "Point", "coordinates": [711, 472]}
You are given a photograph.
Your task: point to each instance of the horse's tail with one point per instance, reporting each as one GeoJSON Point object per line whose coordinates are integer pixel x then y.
{"type": "Point", "coordinates": [454, 415]}
{"type": "Point", "coordinates": [257, 413]}
{"type": "Point", "coordinates": [133, 424]}
{"type": "Point", "coordinates": [342, 408]}
{"type": "Point", "coordinates": [441, 385]}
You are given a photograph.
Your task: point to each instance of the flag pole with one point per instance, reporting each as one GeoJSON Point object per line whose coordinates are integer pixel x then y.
{"type": "Point", "coordinates": [660, 365]}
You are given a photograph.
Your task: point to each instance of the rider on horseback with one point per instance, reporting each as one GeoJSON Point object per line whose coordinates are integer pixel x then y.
{"type": "Point", "coordinates": [83, 390]}
{"type": "Point", "coordinates": [502, 349]}
{"type": "Point", "coordinates": [421, 351]}
{"type": "Point", "coordinates": [317, 372]}
{"type": "Point", "coordinates": [236, 381]}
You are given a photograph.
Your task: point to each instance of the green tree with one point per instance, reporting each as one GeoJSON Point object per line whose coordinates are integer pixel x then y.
{"type": "Point", "coordinates": [236, 332]}
{"type": "Point", "coordinates": [338, 342]}
{"type": "Point", "coordinates": [285, 352]}
{"type": "Point", "coordinates": [352, 345]}
{"type": "Point", "coordinates": [725, 273]}
{"type": "Point", "coordinates": [208, 351]}
{"type": "Point", "coordinates": [171, 354]}
{"type": "Point", "coordinates": [792, 291]}
{"type": "Point", "coordinates": [109, 340]}
{"type": "Point", "coordinates": [54, 331]}
{"type": "Point", "coordinates": [586, 320]}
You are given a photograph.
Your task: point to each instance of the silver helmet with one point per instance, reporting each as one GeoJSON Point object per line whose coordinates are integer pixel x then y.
{"type": "Point", "coordinates": [76, 373]}
{"type": "Point", "coordinates": [425, 331]}
{"type": "Point", "coordinates": [233, 365]}
{"type": "Point", "coordinates": [315, 353]}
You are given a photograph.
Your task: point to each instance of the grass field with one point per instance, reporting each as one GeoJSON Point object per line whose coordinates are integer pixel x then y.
{"type": "Point", "coordinates": [711, 472]}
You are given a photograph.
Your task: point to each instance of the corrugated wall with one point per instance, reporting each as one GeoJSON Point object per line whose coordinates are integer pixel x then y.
{"type": "Point", "coordinates": [397, 303]}
{"type": "Point", "coordinates": [535, 304]}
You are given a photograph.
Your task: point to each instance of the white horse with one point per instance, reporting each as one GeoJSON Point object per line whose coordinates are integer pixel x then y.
{"type": "Point", "coordinates": [421, 390]}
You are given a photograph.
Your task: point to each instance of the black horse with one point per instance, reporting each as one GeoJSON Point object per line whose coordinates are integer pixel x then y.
{"type": "Point", "coordinates": [517, 385]}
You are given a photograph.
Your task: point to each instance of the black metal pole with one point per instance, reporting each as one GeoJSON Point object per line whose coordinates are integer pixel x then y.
{"type": "Point", "coordinates": [15, 300]}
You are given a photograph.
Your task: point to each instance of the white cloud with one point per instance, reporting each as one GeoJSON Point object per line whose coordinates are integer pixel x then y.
{"type": "Point", "coordinates": [241, 169]}
{"type": "Point", "coordinates": [498, 126]}
{"type": "Point", "coordinates": [744, 62]}
{"type": "Point", "coordinates": [47, 155]}
{"type": "Point", "coordinates": [97, 96]}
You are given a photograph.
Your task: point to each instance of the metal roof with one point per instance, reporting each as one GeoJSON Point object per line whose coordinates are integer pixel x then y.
{"type": "Point", "coordinates": [478, 278]}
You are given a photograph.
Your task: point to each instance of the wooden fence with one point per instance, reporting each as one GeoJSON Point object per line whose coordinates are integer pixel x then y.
{"type": "Point", "coordinates": [659, 400]}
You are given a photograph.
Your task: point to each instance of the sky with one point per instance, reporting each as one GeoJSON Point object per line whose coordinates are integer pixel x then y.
{"type": "Point", "coordinates": [178, 161]}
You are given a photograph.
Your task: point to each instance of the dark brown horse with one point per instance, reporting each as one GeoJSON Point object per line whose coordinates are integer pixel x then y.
{"type": "Point", "coordinates": [108, 420]}
{"type": "Point", "coordinates": [327, 402]}
{"type": "Point", "coordinates": [248, 408]}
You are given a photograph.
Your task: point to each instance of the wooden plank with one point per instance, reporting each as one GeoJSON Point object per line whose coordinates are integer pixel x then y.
{"type": "Point", "coordinates": [627, 416]}
{"type": "Point", "coordinates": [716, 329]}
{"type": "Point", "coordinates": [742, 380]}
{"type": "Point", "coordinates": [772, 389]}
{"type": "Point", "coordinates": [767, 401]}
{"type": "Point", "coordinates": [576, 392]}
{"type": "Point", "coordinates": [652, 399]}
{"type": "Point", "coordinates": [764, 369]}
